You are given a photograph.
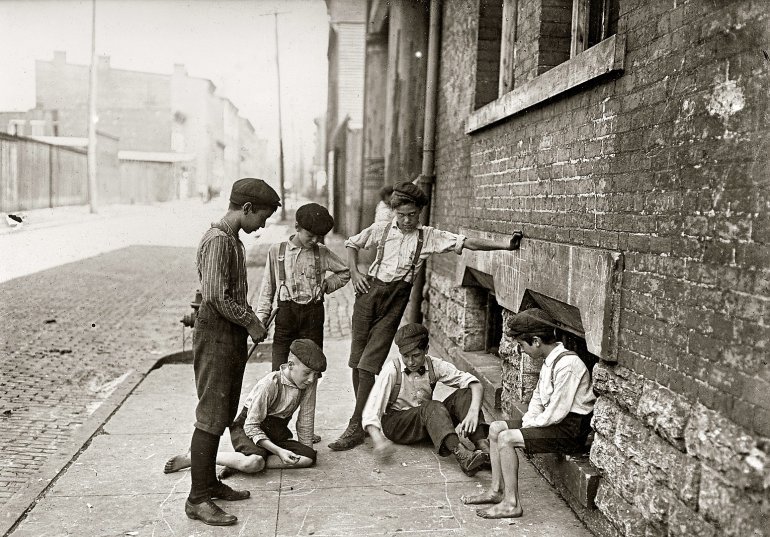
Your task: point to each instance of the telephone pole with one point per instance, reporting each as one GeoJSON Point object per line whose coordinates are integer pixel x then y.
{"type": "Point", "coordinates": [92, 118]}
{"type": "Point", "coordinates": [280, 123]}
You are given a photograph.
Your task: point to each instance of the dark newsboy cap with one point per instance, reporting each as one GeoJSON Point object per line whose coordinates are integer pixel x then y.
{"type": "Point", "coordinates": [255, 191]}
{"type": "Point", "coordinates": [309, 353]}
{"type": "Point", "coordinates": [533, 321]}
{"type": "Point", "coordinates": [315, 218]}
{"type": "Point", "coordinates": [408, 192]}
{"type": "Point", "coordinates": [411, 336]}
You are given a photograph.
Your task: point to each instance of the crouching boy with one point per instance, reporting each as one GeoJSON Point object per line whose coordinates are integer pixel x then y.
{"type": "Point", "coordinates": [558, 419]}
{"type": "Point", "coordinates": [401, 408]}
{"type": "Point", "coordinates": [260, 434]}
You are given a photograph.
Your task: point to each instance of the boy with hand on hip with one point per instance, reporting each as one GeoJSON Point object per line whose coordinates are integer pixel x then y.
{"type": "Point", "coordinates": [401, 407]}
{"type": "Point", "coordinates": [222, 326]}
{"type": "Point", "coordinates": [261, 437]}
{"type": "Point", "coordinates": [296, 278]}
{"type": "Point", "coordinates": [558, 419]}
{"type": "Point", "coordinates": [403, 245]}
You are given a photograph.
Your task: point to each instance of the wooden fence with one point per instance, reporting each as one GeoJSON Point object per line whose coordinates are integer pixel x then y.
{"type": "Point", "coordinates": [36, 175]}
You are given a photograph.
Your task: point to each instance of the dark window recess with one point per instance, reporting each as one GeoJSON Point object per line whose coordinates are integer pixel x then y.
{"type": "Point", "coordinates": [488, 52]}
{"type": "Point", "coordinates": [602, 20]}
{"type": "Point", "coordinates": [494, 325]}
{"type": "Point", "coordinates": [571, 332]}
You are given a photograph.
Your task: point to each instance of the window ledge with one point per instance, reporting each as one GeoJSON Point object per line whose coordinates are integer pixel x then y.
{"type": "Point", "coordinates": [599, 60]}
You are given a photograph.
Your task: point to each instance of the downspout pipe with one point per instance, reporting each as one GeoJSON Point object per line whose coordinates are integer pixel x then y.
{"type": "Point", "coordinates": [428, 174]}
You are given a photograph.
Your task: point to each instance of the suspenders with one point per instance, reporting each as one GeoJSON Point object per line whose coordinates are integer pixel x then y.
{"type": "Point", "coordinates": [282, 269]}
{"type": "Point", "coordinates": [381, 251]}
{"type": "Point", "coordinates": [397, 386]}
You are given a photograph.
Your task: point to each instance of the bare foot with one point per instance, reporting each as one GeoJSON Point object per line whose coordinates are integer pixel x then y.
{"type": "Point", "coordinates": [485, 496]}
{"type": "Point", "coordinates": [501, 510]}
{"type": "Point", "coordinates": [226, 472]}
{"type": "Point", "coordinates": [176, 463]}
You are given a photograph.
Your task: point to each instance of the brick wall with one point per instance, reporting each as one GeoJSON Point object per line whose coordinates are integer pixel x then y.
{"type": "Point", "coordinates": [667, 165]}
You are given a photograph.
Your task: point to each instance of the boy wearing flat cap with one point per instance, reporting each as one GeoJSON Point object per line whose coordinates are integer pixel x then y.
{"type": "Point", "coordinates": [403, 244]}
{"type": "Point", "coordinates": [558, 419]}
{"type": "Point", "coordinates": [298, 273]}
{"type": "Point", "coordinates": [401, 407]}
{"type": "Point", "coordinates": [223, 324]}
{"type": "Point", "coordinates": [261, 437]}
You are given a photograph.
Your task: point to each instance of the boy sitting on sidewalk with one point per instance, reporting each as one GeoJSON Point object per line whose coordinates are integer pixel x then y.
{"type": "Point", "coordinates": [401, 408]}
{"type": "Point", "coordinates": [260, 434]}
{"type": "Point", "coordinates": [558, 419]}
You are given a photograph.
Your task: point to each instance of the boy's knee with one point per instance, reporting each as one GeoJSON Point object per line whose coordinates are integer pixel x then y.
{"type": "Point", "coordinates": [495, 428]}
{"type": "Point", "coordinates": [510, 437]}
{"type": "Point", "coordinates": [253, 464]}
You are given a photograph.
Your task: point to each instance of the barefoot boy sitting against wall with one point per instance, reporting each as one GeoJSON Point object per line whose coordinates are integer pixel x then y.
{"type": "Point", "coordinates": [558, 419]}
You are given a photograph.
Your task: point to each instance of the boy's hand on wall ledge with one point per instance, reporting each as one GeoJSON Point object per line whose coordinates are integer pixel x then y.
{"type": "Point", "coordinates": [516, 240]}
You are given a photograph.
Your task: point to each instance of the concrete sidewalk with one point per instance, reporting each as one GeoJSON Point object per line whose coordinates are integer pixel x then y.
{"type": "Point", "coordinates": [117, 486]}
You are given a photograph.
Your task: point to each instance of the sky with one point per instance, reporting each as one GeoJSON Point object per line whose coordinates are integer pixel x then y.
{"type": "Point", "coordinates": [230, 42]}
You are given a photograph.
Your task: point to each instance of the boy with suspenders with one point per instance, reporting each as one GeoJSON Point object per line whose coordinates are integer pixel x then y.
{"type": "Point", "coordinates": [558, 419]}
{"type": "Point", "coordinates": [383, 292]}
{"type": "Point", "coordinates": [401, 407]}
{"type": "Point", "coordinates": [295, 275]}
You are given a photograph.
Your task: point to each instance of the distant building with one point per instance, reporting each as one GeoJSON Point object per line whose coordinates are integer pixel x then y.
{"type": "Point", "coordinates": [149, 113]}
{"type": "Point", "coordinates": [344, 111]}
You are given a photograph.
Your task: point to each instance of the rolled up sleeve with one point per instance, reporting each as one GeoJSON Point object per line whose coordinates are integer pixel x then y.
{"type": "Point", "coordinates": [448, 374]}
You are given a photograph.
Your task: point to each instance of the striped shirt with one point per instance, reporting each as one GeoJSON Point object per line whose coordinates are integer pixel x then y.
{"type": "Point", "coordinates": [300, 285]}
{"type": "Point", "coordinates": [277, 395]}
{"type": "Point", "coordinates": [222, 273]}
{"type": "Point", "coordinates": [400, 247]}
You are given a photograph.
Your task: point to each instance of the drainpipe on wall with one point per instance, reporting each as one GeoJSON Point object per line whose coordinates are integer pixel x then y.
{"type": "Point", "coordinates": [428, 177]}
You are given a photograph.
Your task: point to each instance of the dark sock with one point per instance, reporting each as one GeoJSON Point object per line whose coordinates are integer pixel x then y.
{"type": "Point", "coordinates": [203, 459]}
{"type": "Point", "coordinates": [355, 380]}
{"type": "Point", "coordinates": [365, 384]}
{"type": "Point", "coordinates": [451, 441]}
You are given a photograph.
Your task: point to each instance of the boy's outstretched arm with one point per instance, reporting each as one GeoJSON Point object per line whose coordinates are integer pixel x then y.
{"type": "Point", "coordinates": [383, 448]}
{"type": "Point", "coordinates": [511, 243]}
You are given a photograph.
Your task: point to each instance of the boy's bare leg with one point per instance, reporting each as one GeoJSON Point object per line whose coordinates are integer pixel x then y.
{"type": "Point", "coordinates": [495, 492]}
{"type": "Point", "coordinates": [249, 464]}
{"type": "Point", "coordinates": [510, 505]}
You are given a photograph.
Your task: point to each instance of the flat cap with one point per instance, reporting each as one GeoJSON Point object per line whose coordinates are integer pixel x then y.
{"type": "Point", "coordinates": [255, 191]}
{"type": "Point", "coordinates": [408, 192]}
{"type": "Point", "coordinates": [309, 353]}
{"type": "Point", "coordinates": [315, 218]}
{"type": "Point", "coordinates": [533, 321]}
{"type": "Point", "coordinates": [411, 336]}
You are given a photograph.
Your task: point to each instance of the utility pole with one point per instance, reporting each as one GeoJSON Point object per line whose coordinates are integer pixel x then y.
{"type": "Point", "coordinates": [92, 183]}
{"type": "Point", "coordinates": [280, 127]}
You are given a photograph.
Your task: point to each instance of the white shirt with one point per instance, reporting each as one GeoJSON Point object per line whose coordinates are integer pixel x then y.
{"type": "Point", "coordinates": [571, 390]}
{"type": "Point", "coordinates": [383, 212]}
{"type": "Point", "coordinates": [400, 247]}
{"type": "Point", "coordinates": [415, 388]}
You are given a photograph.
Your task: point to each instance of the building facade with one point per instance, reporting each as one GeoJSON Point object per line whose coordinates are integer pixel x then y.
{"type": "Point", "coordinates": [628, 140]}
{"type": "Point", "coordinates": [152, 113]}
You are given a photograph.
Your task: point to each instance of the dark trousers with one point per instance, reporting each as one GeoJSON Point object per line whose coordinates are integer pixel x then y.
{"type": "Point", "coordinates": [219, 360]}
{"type": "Point", "coordinates": [376, 316]}
{"type": "Point", "coordinates": [276, 429]}
{"type": "Point", "coordinates": [435, 420]}
{"type": "Point", "coordinates": [296, 321]}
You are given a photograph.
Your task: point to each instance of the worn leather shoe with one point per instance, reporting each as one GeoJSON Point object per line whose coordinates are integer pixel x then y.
{"type": "Point", "coordinates": [209, 513]}
{"type": "Point", "coordinates": [353, 436]}
{"type": "Point", "coordinates": [470, 461]}
{"type": "Point", "coordinates": [224, 492]}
